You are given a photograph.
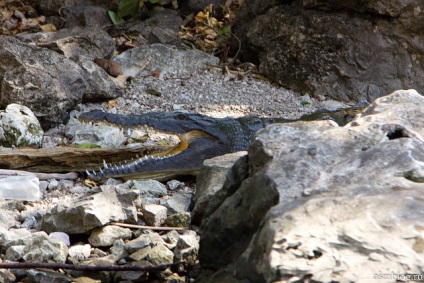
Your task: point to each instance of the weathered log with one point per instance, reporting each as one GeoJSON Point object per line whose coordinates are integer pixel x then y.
{"type": "Point", "coordinates": [69, 159]}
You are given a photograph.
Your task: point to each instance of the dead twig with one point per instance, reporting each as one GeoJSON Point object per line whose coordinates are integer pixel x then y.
{"type": "Point", "coordinates": [148, 227]}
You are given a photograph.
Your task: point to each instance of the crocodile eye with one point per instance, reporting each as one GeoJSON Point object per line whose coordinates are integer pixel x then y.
{"type": "Point", "coordinates": [181, 117]}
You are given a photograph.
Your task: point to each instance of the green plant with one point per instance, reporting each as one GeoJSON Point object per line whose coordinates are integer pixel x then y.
{"type": "Point", "coordinates": [127, 8]}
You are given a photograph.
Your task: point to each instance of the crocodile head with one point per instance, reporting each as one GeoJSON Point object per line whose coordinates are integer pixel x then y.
{"type": "Point", "coordinates": [201, 137]}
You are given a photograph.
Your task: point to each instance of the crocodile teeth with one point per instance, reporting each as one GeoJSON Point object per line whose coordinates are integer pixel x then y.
{"type": "Point", "coordinates": [101, 171]}
{"type": "Point", "coordinates": [88, 173]}
{"type": "Point", "coordinates": [94, 172]}
{"type": "Point", "coordinates": [105, 164]}
{"type": "Point", "coordinates": [122, 166]}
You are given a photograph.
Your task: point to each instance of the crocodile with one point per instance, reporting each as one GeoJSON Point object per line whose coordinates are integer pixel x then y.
{"type": "Point", "coordinates": [201, 137]}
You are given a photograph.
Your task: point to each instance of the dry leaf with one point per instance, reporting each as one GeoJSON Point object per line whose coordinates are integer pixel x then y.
{"type": "Point", "coordinates": [48, 28]}
{"type": "Point", "coordinates": [111, 103]}
{"type": "Point", "coordinates": [200, 17]}
{"type": "Point", "coordinates": [155, 73]}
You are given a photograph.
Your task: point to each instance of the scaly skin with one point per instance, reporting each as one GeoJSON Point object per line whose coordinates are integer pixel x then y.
{"type": "Point", "coordinates": [202, 137]}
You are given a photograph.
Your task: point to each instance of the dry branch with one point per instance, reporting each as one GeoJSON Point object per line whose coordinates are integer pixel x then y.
{"type": "Point", "coordinates": [148, 227]}
{"type": "Point", "coordinates": [69, 159]}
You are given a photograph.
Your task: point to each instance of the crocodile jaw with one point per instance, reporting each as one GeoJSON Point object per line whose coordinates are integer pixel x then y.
{"type": "Point", "coordinates": [160, 165]}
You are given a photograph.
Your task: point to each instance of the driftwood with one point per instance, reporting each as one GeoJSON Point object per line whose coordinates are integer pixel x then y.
{"type": "Point", "coordinates": [32, 265]}
{"type": "Point", "coordinates": [69, 159]}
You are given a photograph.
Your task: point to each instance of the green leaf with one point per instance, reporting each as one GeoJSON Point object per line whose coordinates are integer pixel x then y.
{"type": "Point", "coordinates": [225, 30]}
{"type": "Point", "coordinates": [304, 103]}
{"type": "Point", "coordinates": [114, 18]}
{"type": "Point", "coordinates": [153, 1]}
{"type": "Point", "coordinates": [153, 92]}
{"type": "Point", "coordinates": [128, 8]}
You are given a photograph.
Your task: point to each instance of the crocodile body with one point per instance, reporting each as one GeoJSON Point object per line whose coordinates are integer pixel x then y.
{"type": "Point", "coordinates": [201, 137]}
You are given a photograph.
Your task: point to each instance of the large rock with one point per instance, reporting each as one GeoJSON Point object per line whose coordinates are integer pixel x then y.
{"type": "Point", "coordinates": [37, 247]}
{"type": "Point", "coordinates": [164, 58]}
{"type": "Point", "coordinates": [210, 181]}
{"type": "Point", "coordinates": [55, 7]}
{"type": "Point", "coordinates": [19, 127]}
{"type": "Point", "coordinates": [347, 196]}
{"type": "Point", "coordinates": [88, 213]}
{"type": "Point", "coordinates": [346, 50]}
{"type": "Point", "coordinates": [47, 82]}
{"type": "Point", "coordinates": [161, 27]}
{"type": "Point", "coordinates": [90, 42]}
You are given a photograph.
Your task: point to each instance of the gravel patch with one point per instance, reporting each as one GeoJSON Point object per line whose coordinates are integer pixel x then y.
{"type": "Point", "coordinates": [211, 93]}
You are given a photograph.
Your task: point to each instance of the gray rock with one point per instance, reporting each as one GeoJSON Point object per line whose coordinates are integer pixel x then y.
{"type": "Point", "coordinates": [19, 127]}
{"type": "Point", "coordinates": [43, 186]}
{"type": "Point", "coordinates": [15, 253]}
{"type": "Point", "coordinates": [160, 254]}
{"type": "Point", "coordinates": [211, 179]}
{"type": "Point", "coordinates": [181, 202]}
{"type": "Point", "coordinates": [238, 173]}
{"type": "Point", "coordinates": [171, 239]}
{"type": "Point", "coordinates": [175, 184]}
{"type": "Point", "coordinates": [41, 248]}
{"type": "Point", "coordinates": [118, 250]}
{"type": "Point", "coordinates": [164, 58]}
{"type": "Point", "coordinates": [62, 237]}
{"type": "Point", "coordinates": [106, 235]}
{"type": "Point", "coordinates": [313, 203]}
{"type": "Point", "coordinates": [86, 15]}
{"type": "Point", "coordinates": [338, 239]}
{"type": "Point", "coordinates": [47, 82]}
{"type": "Point", "coordinates": [13, 234]}
{"type": "Point", "coordinates": [187, 249]}
{"type": "Point", "coordinates": [154, 214]}
{"type": "Point", "coordinates": [149, 188]}
{"type": "Point", "coordinates": [133, 276]}
{"type": "Point", "coordinates": [53, 183]}
{"type": "Point", "coordinates": [101, 86]}
{"type": "Point", "coordinates": [141, 253]}
{"type": "Point", "coordinates": [39, 276]}
{"type": "Point", "coordinates": [107, 260]}
{"type": "Point", "coordinates": [8, 219]}
{"type": "Point", "coordinates": [100, 134]}
{"type": "Point", "coordinates": [162, 27]}
{"type": "Point", "coordinates": [24, 187]}
{"type": "Point", "coordinates": [29, 223]}
{"type": "Point", "coordinates": [90, 42]}
{"type": "Point", "coordinates": [80, 251]}
{"type": "Point", "coordinates": [65, 185]}
{"type": "Point", "coordinates": [180, 219]}
{"type": "Point", "coordinates": [54, 7]}
{"type": "Point", "coordinates": [87, 213]}
{"type": "Point", "coordinates": [337, 49]}
{"type": "Point", "coordinates": [142, 241]}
